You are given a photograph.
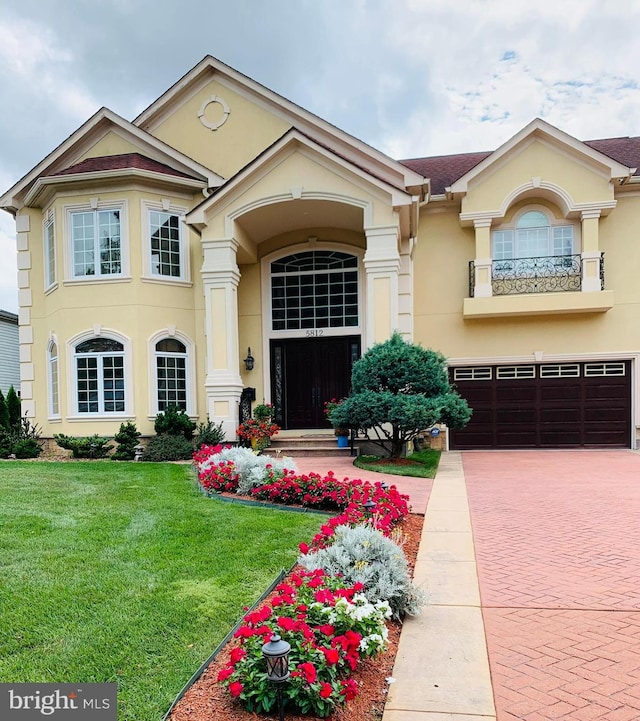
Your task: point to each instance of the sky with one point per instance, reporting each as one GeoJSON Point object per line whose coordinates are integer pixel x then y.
{"type": "Point", "coordinates": [413, 78]}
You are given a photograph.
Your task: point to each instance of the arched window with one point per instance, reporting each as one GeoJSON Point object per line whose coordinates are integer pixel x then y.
{"type": "Point", "coordinates": [100, 381]}
{"type": "Point", "coordinates": [534, 235]}
{"type": "Point", "coordinates": [171, 374]}
{"type": "Point", "coordinates": [54, 384]}
{"type": "Point", "coordinates": [314, 289]}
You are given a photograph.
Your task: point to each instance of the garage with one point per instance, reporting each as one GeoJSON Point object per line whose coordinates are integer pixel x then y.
{"type": "Point", "coordinates": [560, 405]}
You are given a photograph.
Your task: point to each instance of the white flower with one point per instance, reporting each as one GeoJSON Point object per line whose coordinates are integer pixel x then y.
{"type": "Point", "coordinates": [390, 680]}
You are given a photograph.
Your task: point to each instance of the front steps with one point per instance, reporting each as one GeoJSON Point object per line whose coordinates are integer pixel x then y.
{"type": "Point", "coordinates": [298, 444]}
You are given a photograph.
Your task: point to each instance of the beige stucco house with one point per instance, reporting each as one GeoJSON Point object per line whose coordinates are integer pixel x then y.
{"type": "Point", "coordinates": [158, 258]}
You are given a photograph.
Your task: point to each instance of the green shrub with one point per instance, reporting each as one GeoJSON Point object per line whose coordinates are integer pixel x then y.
{"type": "Point", "coordinates": [208, 434]}
{"type": "Point", "coordinates": [21, 441]}
{"type": "Point", "coordinates": [362, 554]}
{"type": "Point", "coordinates": [4, 412]}
{"type": "Point", "coordinates": [127, 438]}
{"type": "Point", "coordinates": [173, 422]}
{"type": "Point", "coordinates": [14, 409]}
{"type": "Point", "coordinates": [27, 448]}
{"type": "Point", "coordinates": [84, 447]}
{"type": "Point", "coordinates": [165, 447]}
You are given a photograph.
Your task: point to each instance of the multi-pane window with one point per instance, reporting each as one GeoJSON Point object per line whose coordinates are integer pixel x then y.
{"type": "Point", "coordinates": [171, 374]}
{"type": "Point", "coordinates": [54, 386]}
{"type": "Point", "coordinates": [166, 245]}
{"type": "Point", "coordinates": [314, 289]}
{"type": "Point", "coordinates": [49, 252]}
{"type": "Point", "coordinates": [100, 382]}
{"type": "Point", "coordinates": [96, 242]}
{"type": "Point", "coordinates": [533, 237]}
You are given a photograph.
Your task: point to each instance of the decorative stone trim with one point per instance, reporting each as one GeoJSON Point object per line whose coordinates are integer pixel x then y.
{"type": "Point", "coordinates": [225, 112]}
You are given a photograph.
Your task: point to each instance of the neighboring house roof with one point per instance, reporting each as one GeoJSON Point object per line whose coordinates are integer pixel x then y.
{"type": "Point", "coordinates": [8, 317]}
{"type": "Point", "coordinates": [444, 170]}
{"type": "Point", "coordinates": [120, 162]}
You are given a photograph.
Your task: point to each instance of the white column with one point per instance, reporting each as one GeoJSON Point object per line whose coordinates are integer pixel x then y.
{"type": "Point", "coordinates": [482, 286]}
{"type": "Point", "coordinates": [591, 256]}
{"type": "Point", "coordinates": [382, 266]}
{"type": "Point", "coordinates": [223, 385]}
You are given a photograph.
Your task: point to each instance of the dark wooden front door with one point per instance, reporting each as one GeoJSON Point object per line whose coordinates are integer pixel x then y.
{"type": "Point", "coordinates": [306, 373]}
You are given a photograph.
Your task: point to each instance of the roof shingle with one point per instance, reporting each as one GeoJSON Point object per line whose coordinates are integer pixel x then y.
{"type": "Point", "coordinates": [121, 162]}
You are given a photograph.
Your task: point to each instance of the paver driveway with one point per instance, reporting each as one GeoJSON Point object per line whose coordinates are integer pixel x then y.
{"type": "Point", "coordinates": [557, 540]}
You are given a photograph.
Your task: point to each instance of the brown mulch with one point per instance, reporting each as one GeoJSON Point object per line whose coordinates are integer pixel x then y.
{"type": "Point", "coordinates": [208, 700]}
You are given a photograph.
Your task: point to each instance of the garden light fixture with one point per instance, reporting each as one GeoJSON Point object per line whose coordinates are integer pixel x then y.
{"type": "Point", "coordinates": [369, 506]}
{"type": "Point", "coordinates": [276, 653]}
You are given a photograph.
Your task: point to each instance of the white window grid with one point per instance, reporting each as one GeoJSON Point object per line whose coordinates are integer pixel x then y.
{"type": "Point", "coordinates": [54, 383]}
{"type": "Point", "coordinates": [481, 373]}
{"type": "Point", "coordinates": [100, 384]}
{"type": "Point", "coordinates": [165, 244]}
{"type": "Point", "coordinates": [568, 370]}
{"type": "Point", "coordinates": [171, 379]}
{"type": "Point", "coordinates": [604, 369]}
{"type": "Point", "coordinates": [507, 372]}
{"type": "Point", "coordinates": [96, 242]}
{"type": "Point", "coordinates": [49, 250]}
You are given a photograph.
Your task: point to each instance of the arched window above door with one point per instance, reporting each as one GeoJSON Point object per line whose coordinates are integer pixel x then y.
{"type": "Point", "coordinates": [314, 289]}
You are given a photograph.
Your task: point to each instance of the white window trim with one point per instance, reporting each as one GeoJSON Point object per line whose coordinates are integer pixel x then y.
{"type": "Point", "coordinates": [72, 387]}
{"type": "Point", "coordinates": [47, 223]}
{"type": "Point", "coordinates": [165, 206]}
{"type": "Point", "coordinates": [53, 340]}
{"type": "Point", "coordinates": [190, 365]}
{"type": "Point", "coordinates": [553, 223]}
{"type": "Point", "coordinates": [94, 205]}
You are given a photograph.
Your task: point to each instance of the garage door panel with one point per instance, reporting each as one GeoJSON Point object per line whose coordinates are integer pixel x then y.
{"type": "Point", "coordinates": [560, 393]}
{"type": "Point", "coordinates": [583, 408]}
{"type": "Point", "coordinates": [558, 416]}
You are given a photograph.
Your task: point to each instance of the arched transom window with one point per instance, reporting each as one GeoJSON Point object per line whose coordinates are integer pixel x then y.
{"type": "Point", "coordinates": [100, 386]}
{"type": "Point", "coordinates": [314, 289]}
{"type": "Point", "coordinates": [534, 235]}
{"type": "Point", "coordinates": [171, 374]}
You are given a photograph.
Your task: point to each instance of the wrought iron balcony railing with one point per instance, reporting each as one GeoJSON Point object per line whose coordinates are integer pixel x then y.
{"type": "Point", "coordinates": [548, 274]}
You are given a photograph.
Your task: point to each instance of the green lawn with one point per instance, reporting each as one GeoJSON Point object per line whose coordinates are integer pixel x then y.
{"type": "Point", "coordinates": [421, 464]}
{"type": "Point", "coordinates": [125, 572]}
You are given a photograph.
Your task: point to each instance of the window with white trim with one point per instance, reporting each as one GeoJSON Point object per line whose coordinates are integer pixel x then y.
{"type": "Point", "coordinates": [534, 235]}
{"type": "Point", "coordinates": [96, 242]}
{"type": "Point", "coordinates": [166, 244]}
{"type": "Point", "coordinates": [54, 381]}
{"type": "Point", "coordinates": [100, 379]}
{"type": "Point", "coordinates": [49, 250]}
{"type": "Point", "coordinates": [171, 374]}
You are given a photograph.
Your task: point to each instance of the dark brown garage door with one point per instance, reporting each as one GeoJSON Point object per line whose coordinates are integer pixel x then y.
{"type": "Point", "coordinates": [568, 405]}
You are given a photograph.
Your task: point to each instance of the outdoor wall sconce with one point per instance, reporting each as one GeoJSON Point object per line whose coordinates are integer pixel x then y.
{"type": "Point", "coordinates": [276, 653]}
{"type": "Point", "coordinates": [249, 360]}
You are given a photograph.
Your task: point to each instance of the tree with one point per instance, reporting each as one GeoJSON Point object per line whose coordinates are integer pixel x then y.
{"type": "Point", "coordinates": [399, 390]}
{"type": "Point", "coordinates": [14, 409]}
{"type": "Point", "coordinates": [4, 413]}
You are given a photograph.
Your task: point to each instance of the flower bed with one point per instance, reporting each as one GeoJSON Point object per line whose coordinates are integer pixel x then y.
{"type": "Point", "coordinates": [330, 623]}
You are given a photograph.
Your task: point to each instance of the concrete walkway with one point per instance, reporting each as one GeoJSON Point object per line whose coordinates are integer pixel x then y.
{"type": "Point", "coordinates": [441, 670]}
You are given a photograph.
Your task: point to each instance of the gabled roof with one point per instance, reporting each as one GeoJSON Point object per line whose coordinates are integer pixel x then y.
{"type": "Point", "coordinates": [293, 139]}
{"type": "Point", "coordinates": [621, 156]}
{"type": "Point", "coordinates": [119, 162]}
{"type": "Point", "coordinates": [78, 143]}
{"type": "Point", "coordinates": [340, 142]}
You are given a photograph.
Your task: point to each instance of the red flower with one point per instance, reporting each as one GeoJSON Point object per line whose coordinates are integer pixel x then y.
{"type": "Point", "coordinates": [332, 655]}
{"type": "Point", "coordinates": [304, 548]}
{"type": "Point", "coordinates": [349, 689]}
{"type": "Point", "coordinates": [327, 630]}
{"type": "Point", "coordinates": [309, 671]}
{"type": "Point", "coordinates": [225, 673]}
{"type": "Point", "coordinates": [235, 689]}
{"type": "Point", "coordinates": [286, 624]}
{"type": "Point", "coordinates": [237, 654]}
{"type": "Point", "coordinates": [325, 690]}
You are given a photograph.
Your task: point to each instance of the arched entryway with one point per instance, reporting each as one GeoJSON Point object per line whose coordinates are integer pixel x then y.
{"type": "Point", "coordinates": [315, 332]}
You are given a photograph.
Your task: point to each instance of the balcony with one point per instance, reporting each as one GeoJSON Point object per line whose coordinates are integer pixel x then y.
{"type": "Point", "coordinates": [538, 286]}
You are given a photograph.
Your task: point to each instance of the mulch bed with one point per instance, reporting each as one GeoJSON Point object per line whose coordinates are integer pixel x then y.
{"type": "Point", "coordinates": [207, 700]}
